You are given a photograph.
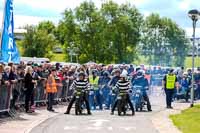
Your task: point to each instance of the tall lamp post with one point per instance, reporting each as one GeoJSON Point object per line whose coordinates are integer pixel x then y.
{"type": "Point", "coordinates": [73, 51]}
{"type": "Point", "coordinates": [194, 15]}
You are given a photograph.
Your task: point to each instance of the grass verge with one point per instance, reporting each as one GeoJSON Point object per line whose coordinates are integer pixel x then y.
{"type": "Point", "coordinates": [188, 121]}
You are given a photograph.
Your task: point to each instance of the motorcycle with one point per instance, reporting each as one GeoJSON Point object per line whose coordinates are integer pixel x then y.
{"type": "Point", "coordinates": [79, 102]}
{"type": "Point", "coordinates": [138, 98]}
{"type": "Point", "coordinates": [122, 104]}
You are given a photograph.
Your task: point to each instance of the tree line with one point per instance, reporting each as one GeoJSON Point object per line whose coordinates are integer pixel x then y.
{"type": "Point", "coordinates": [111, 34]}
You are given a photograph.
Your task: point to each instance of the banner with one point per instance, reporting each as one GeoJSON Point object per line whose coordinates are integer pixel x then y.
{"type": "Point", "coordinates": [9, 51]}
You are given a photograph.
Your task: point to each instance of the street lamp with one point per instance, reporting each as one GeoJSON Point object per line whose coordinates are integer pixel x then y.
{"type": "Point", "coordinates": [194, 15]}
{"type": "Point", "coordinates": [73, 51]}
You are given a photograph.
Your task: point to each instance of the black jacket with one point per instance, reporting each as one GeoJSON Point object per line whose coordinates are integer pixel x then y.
{"type": "Point", "coordinates": [28, 82]}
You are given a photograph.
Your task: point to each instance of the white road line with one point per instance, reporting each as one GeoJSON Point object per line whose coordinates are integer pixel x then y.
{"type": "Point", "coordinates": [70, 128]}
{"type": "Point", "coordinates": [128, 128]}
{"type": "Point", "coordinates": [110, 128]}
{"type": "Point", "coordinates": [98, 122]}
{"type": "Point", "coordinates": [93, 128]}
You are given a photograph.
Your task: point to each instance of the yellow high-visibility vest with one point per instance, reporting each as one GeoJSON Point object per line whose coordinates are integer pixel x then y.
{"type": "Point", "coordinates": [94, 82]}
{"type": "Point", "coordinates": [170, 81]}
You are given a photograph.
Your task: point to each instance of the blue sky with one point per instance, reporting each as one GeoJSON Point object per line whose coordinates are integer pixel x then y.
{"type": "Point", "coordinates": [34, 11]}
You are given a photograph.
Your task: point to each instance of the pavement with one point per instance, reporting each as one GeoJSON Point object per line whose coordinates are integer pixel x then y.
{"type": "Point", "coordinates": [43, 121]}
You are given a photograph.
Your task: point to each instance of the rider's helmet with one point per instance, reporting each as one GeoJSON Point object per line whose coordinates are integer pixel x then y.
{"type": "Point", "coordinates": [185, 74]}
{"type": "Point", "coordinates": [140, 73]}
{"type": "Point", "coordinates": [123, 74]}
{"type": "Point", "coordinates": [81, 74]}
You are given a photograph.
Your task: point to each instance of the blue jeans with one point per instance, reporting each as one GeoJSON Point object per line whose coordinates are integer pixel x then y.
{"type": "Point", "coordinates": [95, 99]}
{"type": "Point", "coordinates": [111, 100]}
{"type": "Point", "coordinates": [106, 92]}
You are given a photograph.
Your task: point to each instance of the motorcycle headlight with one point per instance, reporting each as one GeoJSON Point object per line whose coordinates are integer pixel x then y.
{"type": "Point", "coordinates": [138, 91]}
{"type": "Point", "coordinates": [119, 97]}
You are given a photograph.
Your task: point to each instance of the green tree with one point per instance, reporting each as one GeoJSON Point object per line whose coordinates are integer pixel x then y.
{"type": "Point", "coordinates": [38, 43]}
{"type": "Point", "coordinates": [163, 41]}
{"type": "Point", "coordinates": [123, 26]}
{"type": "Point", "coordinates": [106, 35]}
{"type": "Point", "coordinates": [47, 26]}
{"type": "Point", "coordinates": [90, 27]}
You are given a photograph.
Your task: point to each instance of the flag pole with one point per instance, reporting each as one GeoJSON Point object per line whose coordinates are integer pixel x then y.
{"type": "Point", "coordinates": [2, 28]}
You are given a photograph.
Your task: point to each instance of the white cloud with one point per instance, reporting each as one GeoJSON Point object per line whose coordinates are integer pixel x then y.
{"type": "Point", "coordinates": [23, 20]}
{"type": "Point", "coordinates": [55, 5]}
{"type": "Point", "coordinates": [60, 5]}
{"type": "Point", "coordinates": [135, 2]}
{"type": "Point", "coordinates": [146, 13]}
{"type": "Point", "coordinates": [189, 31]}
{"type": "Point", "coordinates": [185, 4]}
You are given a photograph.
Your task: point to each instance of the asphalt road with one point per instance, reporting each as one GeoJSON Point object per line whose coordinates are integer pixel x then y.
{"type": "Point", "coordinates": [103, 122]}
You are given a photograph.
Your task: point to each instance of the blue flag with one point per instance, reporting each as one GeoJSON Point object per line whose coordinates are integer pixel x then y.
{"type": "Point", "coordinates": [9, 51]}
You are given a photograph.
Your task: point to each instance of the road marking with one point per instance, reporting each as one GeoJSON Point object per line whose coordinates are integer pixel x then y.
{"type": "Point", "coordinates": [98, 122]}
{"type": "Point", "coordinates": [110, 128]}
{"type": "Point", "coordinates": [128, 128]}
{"type": "Point", "coordinates": [70, 128]}
{"type": "Point", "coordinates": [93, 128]}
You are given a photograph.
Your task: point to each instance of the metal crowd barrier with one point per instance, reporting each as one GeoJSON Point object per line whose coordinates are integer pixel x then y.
{"type": "Point", "coordinates": [5, 94]}
{"type": "Point", "coordinates": [39, 92]}
{"type": "Point", "coordinates": [14, 94]}
{"type": "Point", "coordinates": [21, 91]}
{"type": "Point", "coordinates": [58, 95]}
{"type": "Point", "coordinates": [156, 80]}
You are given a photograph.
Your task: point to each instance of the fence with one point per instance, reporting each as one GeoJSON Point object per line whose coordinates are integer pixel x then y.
{"type": "Point", "coordinates": [15, 94]}
{"type": "Point", "coordinates": [5, 95]}
{"type": "Point", "coordinates": [156, 80]}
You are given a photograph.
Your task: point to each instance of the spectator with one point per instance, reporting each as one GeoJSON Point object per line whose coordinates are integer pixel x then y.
{"type": "Point", "coordinates": [51, 89]}
{"type": "Point", "coordinates": [29, 86]}
{"type": "Point", "coordinates": [1, 74]}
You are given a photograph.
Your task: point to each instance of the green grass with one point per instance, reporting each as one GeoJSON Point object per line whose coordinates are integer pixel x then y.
{"type": "Point", "coordinates": [188, 121]}
{"type": "Point", "coordinates": [188, 62]}
{"type": "Point", "coordinates": [58, 57]}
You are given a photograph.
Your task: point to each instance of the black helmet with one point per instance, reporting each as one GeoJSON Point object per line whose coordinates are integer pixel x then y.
{"type": "Point", "coordinates": [139, 73]}
{"type": "Point", "coordinates": [106, 73]}
{"type": "Point", "coordinates": [171, 70]}
{"type": "Point", "coordinates": [81, 74]}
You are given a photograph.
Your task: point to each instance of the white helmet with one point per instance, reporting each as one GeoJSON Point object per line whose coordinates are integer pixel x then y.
{"type": "Point", "coordinates": [185, 73]}
{"type": "Point", "coordinates": [123, 74]}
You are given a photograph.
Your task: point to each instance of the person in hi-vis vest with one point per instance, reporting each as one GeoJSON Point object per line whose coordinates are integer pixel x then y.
{"type": "Point", "coordinates": [51, 89]}
{"type": "Point", "coordinates": [95, 95]}
{"type": "Point", "coordinates": [170, 83]}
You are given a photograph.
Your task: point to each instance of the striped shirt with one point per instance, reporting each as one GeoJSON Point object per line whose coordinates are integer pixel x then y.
{"type": "Point", "coordinates": [123, 86]}
{"type": "Point", "coordinates": [80, 84]}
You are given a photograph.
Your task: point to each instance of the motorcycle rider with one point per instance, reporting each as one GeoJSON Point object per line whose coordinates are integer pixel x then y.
{"type": "Point", "coordinates": [140, 80]}
{"type": "Point", "coordinates": [111, 84]}
{"type": "Point", "coordinates": [123, 85]}
{"type": "Point", "coordinates": [82, 83]}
